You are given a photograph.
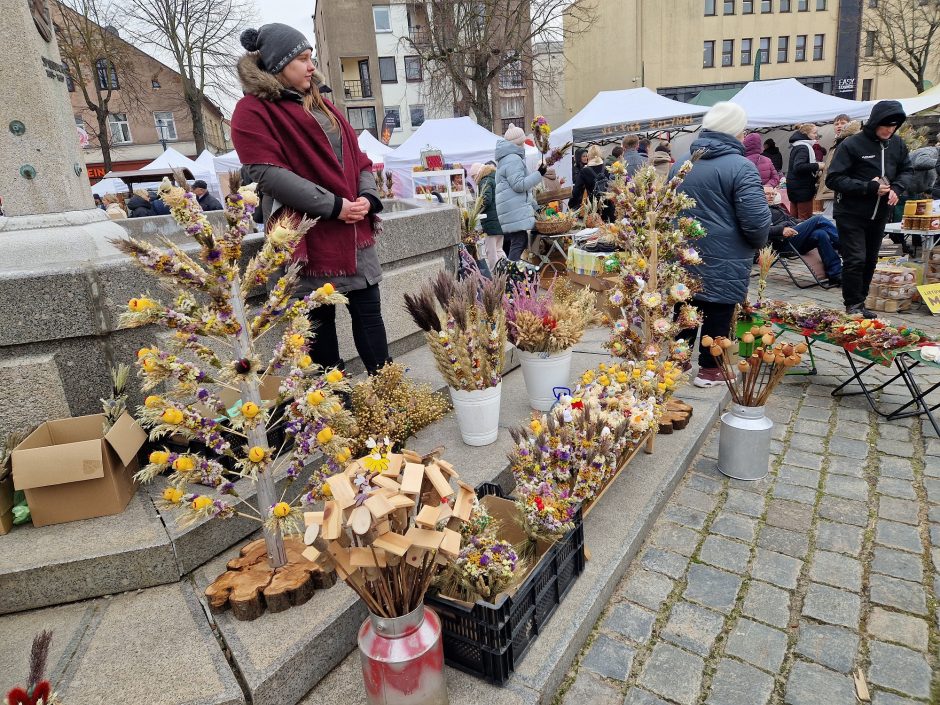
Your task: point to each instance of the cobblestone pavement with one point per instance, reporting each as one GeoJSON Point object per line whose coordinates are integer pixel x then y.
{"type": "Point", "coordinates": [776, 591]}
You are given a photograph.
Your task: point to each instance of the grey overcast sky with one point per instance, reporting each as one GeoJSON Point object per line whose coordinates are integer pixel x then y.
{"type": "Point", "coordinates": [296, 13]}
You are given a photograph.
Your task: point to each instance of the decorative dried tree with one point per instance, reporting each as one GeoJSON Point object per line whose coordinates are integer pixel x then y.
{"type": "Point", "coordinates": [210, 314]}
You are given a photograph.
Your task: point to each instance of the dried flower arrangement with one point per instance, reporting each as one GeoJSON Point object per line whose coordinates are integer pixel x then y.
{"type": "Point", "coordinates": [541, 131]}
{"type": "Point", "coordinates": [388, 404]}
{"type": "Point", "coordinates": [210, 314]}
{"type": "Point", "coordinates": [116, 404]}
{"type": "Point", "coordinates": [761, 372]}
{"type": "Point", "coordinates": [392, 522]}
{"type": "Point", "coordinates": [465, 326]}
{"type": "Point", "coordinates": [470, 222]}
{"type": "Point", "coordinates": [38, 690]}
{"type": "Point", "coordinates": [765, 260]}
{"type": "Point", "coordinates": [538, 321]}
{"type": "Point", "coordinates": [654, 242]}
{"type": "Point", "coordinates": [556, 154]}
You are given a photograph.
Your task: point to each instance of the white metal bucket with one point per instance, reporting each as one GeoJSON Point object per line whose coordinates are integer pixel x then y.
{"type": "Point", "coordinates": [744, 442]}
{"type": "Point", "coordinates": [543, 372]}
{"type": "Point", "coordinates": [477, 414]}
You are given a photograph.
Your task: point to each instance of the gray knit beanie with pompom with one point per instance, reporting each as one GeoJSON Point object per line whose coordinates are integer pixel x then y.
{"type": "Point", "coordinates": [277, 44]}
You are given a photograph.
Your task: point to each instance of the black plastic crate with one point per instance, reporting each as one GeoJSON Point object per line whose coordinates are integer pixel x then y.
{"type": "Point", "coordinates": [490, 640]}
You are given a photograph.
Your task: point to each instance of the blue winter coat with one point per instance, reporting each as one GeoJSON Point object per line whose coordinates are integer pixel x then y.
{"type": "Point", "coordinates": [730, 205]}
{"type": "Point", "coordinates": [515, 204]}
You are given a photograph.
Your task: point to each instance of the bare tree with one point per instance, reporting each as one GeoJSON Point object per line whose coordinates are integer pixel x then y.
{"type": "Point", "coordinates": [468, 45]}
{"type": "Point", "coordinates": [904, 34]}
{"type": "Point", "coordinates": [200, 39]}
{"type": "Point", "coordinates": [99, 63]}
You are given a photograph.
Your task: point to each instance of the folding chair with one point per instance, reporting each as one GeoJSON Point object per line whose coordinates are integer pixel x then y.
{"type": "Point", "coordinates": [787, 256]}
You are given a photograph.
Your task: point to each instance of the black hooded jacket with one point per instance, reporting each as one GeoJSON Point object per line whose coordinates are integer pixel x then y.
{"type": "Point", "coordinates": [139, 207]}
{"type": "Point", "coordinates": [862, 159]}
{"type": "Point", "coordinates": [802, 170]}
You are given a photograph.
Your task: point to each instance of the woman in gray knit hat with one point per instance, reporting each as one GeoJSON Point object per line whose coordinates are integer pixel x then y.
{"type": "Point", "coordinates": [305, 157]}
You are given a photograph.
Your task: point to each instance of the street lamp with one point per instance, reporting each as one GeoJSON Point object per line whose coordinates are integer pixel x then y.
{"type": "Point", "coordinates": [161, 132]}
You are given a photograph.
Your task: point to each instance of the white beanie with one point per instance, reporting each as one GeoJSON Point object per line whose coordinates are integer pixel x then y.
{"type": "Point", "coordinates": [729, 118]}
{"type": "Point", "coordinates": [515, 135]}
{"type": "Point", "coordinates": [475, 170]}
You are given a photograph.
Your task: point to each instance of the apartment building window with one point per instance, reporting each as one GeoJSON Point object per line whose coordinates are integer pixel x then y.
{"type": "Point", "coordinates": [783, 50]}
{"type": "Point", "coordinates": [866, 89]}
{"type": "Point", "coordinates": [799, 53]}
{"type": "Point", "coordinates": [729, 7]}
{"type": "Point", "coordinates": [388, 73]}
{"type": "Point", "coordinates": [69, 82]}
{"type": "Point", "coordinates": [869, 43]}
{"type": "Point", "coordinates": [708, 58]}
{"type": "Point", "coordinates": [820, 5]}
{"type": "Point", "coordinates": [106, 75]}
{"type": "Point", "coordinates": [165, 124]}
{"type": "Point", "coordinates": [512, 110]}
{"type": "Point", "coordinates": [747, 7]}
{"type": "Point", "coordinates": [746, 51]}
{"type": "Point", "coordinates": [362, 119]}
{"type": "Point", "coordinates": [414, 72]}
{"type": "Point", "coordinates": [784, 5]}
{"type": "Point", "coordinates": [511, 78]}
{"type": "Point", "coordinates": [710, 8]}
{"type": "Point", "coordinates": [819, 42]}
{"type": "Point", "coordinates": [395, 114]}
{"type": "Point", "coordinates": [417, 115]}
{"type": "Point", "coordinates": [382, 17]}
{"type": "Point", "coordinates": [802, 5]}
{"type": "Point", "coordinates": [120, 129]}
{"type": "Point", "coordinates": [727, 52]}
{"type": "Point", "coordinates": [766, 6]}
{"type": "Point", "coordinates": [765, 50]}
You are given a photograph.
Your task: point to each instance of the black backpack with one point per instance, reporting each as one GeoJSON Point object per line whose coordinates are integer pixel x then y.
{"type": "Point", "coordinates": [601, 184]}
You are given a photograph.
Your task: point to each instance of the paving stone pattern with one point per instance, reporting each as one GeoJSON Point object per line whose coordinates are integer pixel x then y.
{"type": "Point", "coordinates": [775, 592]}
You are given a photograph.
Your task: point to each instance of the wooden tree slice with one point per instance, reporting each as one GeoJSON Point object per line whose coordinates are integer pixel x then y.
{"type": "Point", "coordinates": [249, 585]}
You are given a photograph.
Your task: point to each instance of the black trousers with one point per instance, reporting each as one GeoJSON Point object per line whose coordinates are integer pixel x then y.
{"type": "Point", "coordinates": [368, 329]}
{"type": "Point", "coordinates": [859, 240]}
{"type": "Point", "coordinates": [514, 244]}
{"type": "Point", "coordinates": [716, 320]}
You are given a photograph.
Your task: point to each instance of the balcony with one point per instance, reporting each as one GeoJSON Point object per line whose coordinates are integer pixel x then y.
{"type": "Point", "coordinates": [421, 36]}
{"type": "Point", "coordinates": [357, 90]}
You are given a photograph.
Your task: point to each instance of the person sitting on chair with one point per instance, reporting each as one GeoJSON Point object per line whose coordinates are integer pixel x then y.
{"type": "Point", "coordinates": [817, 232]}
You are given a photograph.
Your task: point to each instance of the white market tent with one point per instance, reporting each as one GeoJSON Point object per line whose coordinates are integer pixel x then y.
{"type": "Point", "coordinates": [925, 101]}
{"type": "Point", "coordinates": [786, 101]}
{"type": "Point", "coordinates": [373, 148]}
{"type": "Point", "coordinates": [206, 163]}
{"type": "Point", "coordinates": [171, 159]}
{"type": "Point", "coordinates": [109, 185]}
{"type": "Point", "coordinates": [613, 114]}
{"type": "Point", "coordinates": [460, 140]}
{"type": "Point", "coordinates": [227, 162]}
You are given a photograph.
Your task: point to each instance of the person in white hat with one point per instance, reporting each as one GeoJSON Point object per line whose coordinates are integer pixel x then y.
{"type": "Point", "coordinates": [730, 205]}
{"type": "Point", "coordinates": [515, 203]}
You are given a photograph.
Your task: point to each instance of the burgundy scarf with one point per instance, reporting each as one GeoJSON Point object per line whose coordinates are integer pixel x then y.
{"type": "Point", "coordinates": [285, 135]}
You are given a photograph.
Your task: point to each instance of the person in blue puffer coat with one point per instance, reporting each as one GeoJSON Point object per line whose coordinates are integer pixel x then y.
{"type": "Point", "coordinates": [730, 205]}
{"type": "Point", "coordinates": [515, 204]}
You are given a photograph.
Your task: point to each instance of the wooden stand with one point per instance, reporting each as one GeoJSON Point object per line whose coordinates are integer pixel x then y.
{"type": "Point", "coordinates": [249, 585]}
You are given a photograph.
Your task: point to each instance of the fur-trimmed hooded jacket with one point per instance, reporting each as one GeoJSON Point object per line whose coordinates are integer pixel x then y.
{"type": "Point", "coordinates": [308, 168]}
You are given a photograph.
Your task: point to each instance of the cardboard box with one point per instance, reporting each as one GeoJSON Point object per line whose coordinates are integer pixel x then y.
{"type": "Point", "coordinates": [6, 505]}
{"type": "Point", "coordinates": [70, 470]}
{"type": "Point", "coordinates": [601, 287]}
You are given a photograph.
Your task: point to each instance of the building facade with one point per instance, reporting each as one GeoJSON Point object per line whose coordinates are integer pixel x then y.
{"type": "Point", "coordinates": [147, 113]}
{"type": "Point", "coordinates": [548, 93]}
{"type": "Point", "coordinates": [684, 47]}
{"type": "Point", "coordinates": [378, 81]}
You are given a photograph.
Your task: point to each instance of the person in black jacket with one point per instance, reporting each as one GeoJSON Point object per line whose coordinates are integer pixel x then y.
{"type": "Point", "coordinates": [139, 206]}
{"type": "Point", "coordinates": [868, 174]}
{"type": "Point", "coordinates": [206, 199]}
{"type": "Point", "coordinates": [586, 183]}
{"type": "Point", "coordinates": [816, 233]}
{"type": "Point", "coordinates": [773, 153]}
{"type": "Point", "coordinates": [803, 171]}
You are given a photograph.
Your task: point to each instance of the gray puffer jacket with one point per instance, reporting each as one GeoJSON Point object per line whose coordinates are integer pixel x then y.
{"type": "Point", "coordinates": [926, 163]}
{"type": "Point", "coordinates": [515, 204]}
{"type": "Point", "coordinates": [730, 205]}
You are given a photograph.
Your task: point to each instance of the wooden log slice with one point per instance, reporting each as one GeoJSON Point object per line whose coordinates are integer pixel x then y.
{"type": "Point", "coordinates": [249, 585]}
{"type": "Point", "coordinates": [673, 404]}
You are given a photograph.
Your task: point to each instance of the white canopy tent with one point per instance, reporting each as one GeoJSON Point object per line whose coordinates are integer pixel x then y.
{"type": "Point", "coordinates": [109, 185]}
{"type": "Point", "coordinates": [613, 114]}
{"type": "Point", "coordinates": [206, 163]}
{"type": "Point", "coordinates": [919, 103]}
{"type": "Point", "coordinates": [373, 148]}
{"type": "Point", "coordinates": [786, 101]}
{"type": "Point", "coordinates": [459, 140]}
{"type": "Point", "coordinates": [171, 159]}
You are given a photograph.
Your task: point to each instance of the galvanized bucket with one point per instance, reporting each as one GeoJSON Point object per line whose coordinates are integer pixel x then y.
{"type": "Point", "coordinates": [744, 442]}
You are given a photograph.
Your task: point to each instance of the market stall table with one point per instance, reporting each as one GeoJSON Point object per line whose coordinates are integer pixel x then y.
{"type": "Point", "coordinates": [928, 237]}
